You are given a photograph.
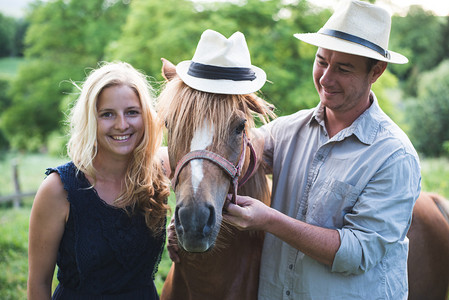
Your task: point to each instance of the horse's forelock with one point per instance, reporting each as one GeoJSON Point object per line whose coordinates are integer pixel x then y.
{"type": "Point", "coordinates": [185, 109]}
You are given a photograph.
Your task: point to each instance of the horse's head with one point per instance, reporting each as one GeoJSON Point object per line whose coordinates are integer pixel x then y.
{"type": "Point", "coordinates": [198, 123]}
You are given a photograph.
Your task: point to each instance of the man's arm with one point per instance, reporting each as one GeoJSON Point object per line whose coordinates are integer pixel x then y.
{"type": "Point", "coordinates": [250, 214]}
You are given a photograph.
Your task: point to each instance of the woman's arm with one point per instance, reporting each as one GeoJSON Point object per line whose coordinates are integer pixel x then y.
{"type": "Point", "coordinates": [47, 222]}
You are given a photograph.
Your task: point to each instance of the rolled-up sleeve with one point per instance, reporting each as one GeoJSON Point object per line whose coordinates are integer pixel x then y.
{"type": "Point", "coordinates": [381, 215]}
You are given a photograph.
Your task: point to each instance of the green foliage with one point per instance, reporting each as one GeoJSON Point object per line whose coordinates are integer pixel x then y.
{"type": "Point", "coordinates": [428, 115]}
{"type": "Point", "coordinates": [156, 29]}
{"type": "Point", "coordinates": [12, 32]}
{"type": "Point", "coordinates": [385, 83]}
{"type": "Point", "coordinates": [4, 103]}
{"type": "Point", "coordinates": [435, 172]}
{"type": "Point", "coordinates": [56, 144]}
{"type": "Point", "coordinates": [420, 37]}
{"type": "Point", "coordinates": [8, 68]}
{"type": "Point", "coordinates": [268, 26]}
{"type": "Point", "coordinates": [64, 38]}
{"type": "Point", "coordinates": [172, 30]}
{"type": "Point", "coordinates": [7, 32]}
{"type": "Point", "coordinates": [446, 148]}
{"type": "Point", "coordinates": [34, 111]}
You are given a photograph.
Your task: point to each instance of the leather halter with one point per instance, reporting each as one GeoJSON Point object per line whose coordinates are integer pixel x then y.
{"type": "Point", "coordinates": [229, 168]}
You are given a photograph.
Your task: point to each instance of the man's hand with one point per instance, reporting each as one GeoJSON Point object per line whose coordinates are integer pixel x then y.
{"type": "Point", "coordinates": [251, 214]}
{"type": "Point", "coordinates": [247, 214]}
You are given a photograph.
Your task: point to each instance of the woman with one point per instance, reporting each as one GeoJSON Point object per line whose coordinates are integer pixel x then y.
{"type": "Point", "coordinates": [101, 217]}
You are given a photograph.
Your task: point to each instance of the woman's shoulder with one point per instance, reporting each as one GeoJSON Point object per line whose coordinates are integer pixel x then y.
{"type": "Point", "coordinates": [51, 196]}
{"type": "Point", "coordinates": [70, 176]}
{"type": "Point", "coordinates": [67, 168]}
{"type": "Point", "coordinates": [52, 185]}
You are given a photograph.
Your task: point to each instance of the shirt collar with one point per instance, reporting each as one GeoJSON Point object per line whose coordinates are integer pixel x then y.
{"type": "Point", "coordinates": [365, 127]}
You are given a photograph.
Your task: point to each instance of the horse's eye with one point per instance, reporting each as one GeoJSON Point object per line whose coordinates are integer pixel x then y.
{"type": "Point", "coordinates": [166, 124]}
{"type": "Point", "coordinates": [240, 128]}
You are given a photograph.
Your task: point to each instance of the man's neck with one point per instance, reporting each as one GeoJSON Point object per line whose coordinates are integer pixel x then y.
{"type": "Point", "coordinates": [336, 121]}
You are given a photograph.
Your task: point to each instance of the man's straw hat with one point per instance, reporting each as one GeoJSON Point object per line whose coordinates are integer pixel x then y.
{"type": "Point", "coordinates": [358, 28]}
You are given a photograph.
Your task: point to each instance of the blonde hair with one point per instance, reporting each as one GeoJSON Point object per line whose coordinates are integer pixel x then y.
{"type": "Point", "coordinates": [146, 188]}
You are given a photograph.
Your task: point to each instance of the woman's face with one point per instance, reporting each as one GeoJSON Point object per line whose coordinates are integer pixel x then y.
{"type": "Point", "coordinates": [119, 122]}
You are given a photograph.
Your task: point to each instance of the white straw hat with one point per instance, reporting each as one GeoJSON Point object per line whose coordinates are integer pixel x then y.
{"type": "Point", "coordinates": [358, 28]}
{"type": "Point", "coordinates": [221, 66]}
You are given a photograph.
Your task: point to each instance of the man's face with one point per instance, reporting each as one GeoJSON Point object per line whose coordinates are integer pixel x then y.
{"type": "Point", "coordinates": [342, 81]}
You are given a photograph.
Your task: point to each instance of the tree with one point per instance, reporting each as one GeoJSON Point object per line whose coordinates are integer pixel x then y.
{"type": "Point", "coordinates": [7, 31]}
{"type": "Point", "coordinates": [63, 40]}
{"type": "Point", "coordinates": [67, 37]}
{"type": "Point", "coordinates": [12, 33]}
{"type": "Point", "coordinates": [172, 29]}
{"type": "Point", "coordinates": [156, 29]}
{"type": "Point", "coordinates": [5, 101]}
{"type": "Point", "coordinates": [19, 36]}
{"type": "Point", "coordinates": [419, 36]}
{"type": "Point", "coordinates": [429, 113]}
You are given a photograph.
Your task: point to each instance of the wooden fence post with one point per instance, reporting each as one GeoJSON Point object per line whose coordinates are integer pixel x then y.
{"type": "Point", "coordinates": [17, 201]}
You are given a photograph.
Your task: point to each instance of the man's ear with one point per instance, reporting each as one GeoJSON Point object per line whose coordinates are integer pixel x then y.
{"type": "Point", "coordinates": [168, 69]}
{"type": "Point", "coordinates": [377, 70]}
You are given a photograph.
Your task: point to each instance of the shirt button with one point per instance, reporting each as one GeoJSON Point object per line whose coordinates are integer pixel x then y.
{"type": "Point", "coordinates": [290, 267]}
{"type": "Point", "coordinates": [287, 293]}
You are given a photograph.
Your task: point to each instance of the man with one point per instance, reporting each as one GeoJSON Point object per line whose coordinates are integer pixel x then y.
{"type": "Point", "coordinates": [345, 177]}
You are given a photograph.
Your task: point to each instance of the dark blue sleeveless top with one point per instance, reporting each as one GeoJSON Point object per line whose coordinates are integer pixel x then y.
{"type": "Point", "coordinates": [104, 253]}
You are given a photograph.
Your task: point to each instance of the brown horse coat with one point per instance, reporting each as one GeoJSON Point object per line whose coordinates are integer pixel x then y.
{"type": "Point", "coordinates": [428, 262]}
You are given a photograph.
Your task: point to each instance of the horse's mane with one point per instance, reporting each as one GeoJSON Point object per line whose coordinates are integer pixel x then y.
{"type": "Point", "coordinates": [184, 109]}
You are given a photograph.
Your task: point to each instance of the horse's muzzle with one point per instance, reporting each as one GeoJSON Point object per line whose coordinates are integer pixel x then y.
{"type": "Point", "coordinates": [195, 227]}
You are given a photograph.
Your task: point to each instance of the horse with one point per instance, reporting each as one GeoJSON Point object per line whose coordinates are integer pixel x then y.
{"type": "Point", "coordinates": [428, 261]}
{"type": "Point", "coordinates": [219, 261]}
{"type": "Point", "coordinates": [230, 269]}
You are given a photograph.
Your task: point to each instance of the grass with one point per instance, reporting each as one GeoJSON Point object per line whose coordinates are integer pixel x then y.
{"type": "Point", "coordinates": [13, 253]}
{"type": "Point", "coordinates": [14, 222]}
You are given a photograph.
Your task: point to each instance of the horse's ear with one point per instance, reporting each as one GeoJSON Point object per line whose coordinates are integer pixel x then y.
{"type": "Point", "coordinates": [168, 69]}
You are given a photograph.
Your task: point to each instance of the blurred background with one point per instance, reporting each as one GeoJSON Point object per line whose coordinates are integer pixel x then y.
{"type": "Point", "coordinates": [45, 45]}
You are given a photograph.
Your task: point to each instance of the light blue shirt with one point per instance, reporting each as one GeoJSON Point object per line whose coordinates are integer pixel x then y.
{"type": "Point", "coordinates": [363, 182]}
